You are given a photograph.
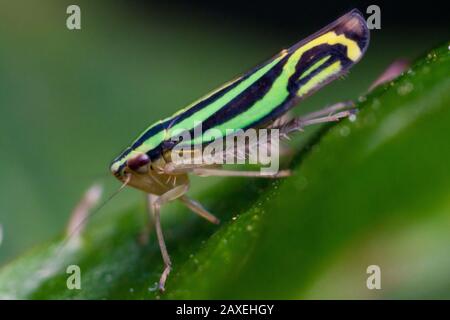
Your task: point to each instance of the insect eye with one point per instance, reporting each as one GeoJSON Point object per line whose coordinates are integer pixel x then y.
{"type": "Point", "coordinates": [139, 163]}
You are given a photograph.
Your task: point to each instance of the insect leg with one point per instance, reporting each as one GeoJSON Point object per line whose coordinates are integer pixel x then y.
{"type": "Point", "coordinates": [205, 172]}
{"type": "Point", "coordinates": [162, 247]}
{"type": "Point", "coordinates": [328, 111]}
{"type": "Point", "coordinates": [391, 72]}
{"type": "Point", "coordinates": [173, 168]}
{"type": "Point", "coordinates": [166, 197]}
{"type": "Point", "coordinates": [197, 208]}
{"type": "Point", "coordinates": [299, 123]}
{"type": "Point", "coordinates": [143, 237]}
{"type": "Point", "coordinates": [201, 169]}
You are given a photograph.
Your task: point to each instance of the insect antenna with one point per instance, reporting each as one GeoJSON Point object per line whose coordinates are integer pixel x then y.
{"type": "Point", "coordinates": [83, 213]}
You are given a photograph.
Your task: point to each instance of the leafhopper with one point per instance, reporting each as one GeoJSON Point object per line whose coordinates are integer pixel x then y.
{"type": "Point", "coordinates": [257, 99]}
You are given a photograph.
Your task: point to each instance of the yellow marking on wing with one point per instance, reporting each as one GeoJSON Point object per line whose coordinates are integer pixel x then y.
{"type": "Point", "coordinates": [314, 67]}
{"type": "Point", "coordinates": [331, 38]}
{"type": "Point", "coordinates": [320, 77]}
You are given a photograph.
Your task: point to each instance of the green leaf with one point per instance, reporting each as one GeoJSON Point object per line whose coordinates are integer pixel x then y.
{"type": "Point", "coordinates": [370, 191]}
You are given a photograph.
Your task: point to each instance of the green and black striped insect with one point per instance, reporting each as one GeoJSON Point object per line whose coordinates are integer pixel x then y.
{"type": "Point", "coordinates": [257, 99]}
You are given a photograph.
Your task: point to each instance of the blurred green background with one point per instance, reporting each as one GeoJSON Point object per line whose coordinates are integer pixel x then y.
{"type": "Point", "coordinates": [71, 100]}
